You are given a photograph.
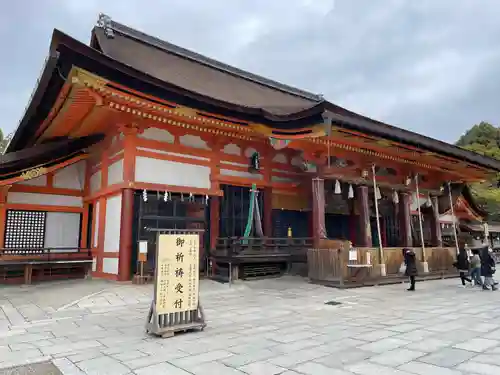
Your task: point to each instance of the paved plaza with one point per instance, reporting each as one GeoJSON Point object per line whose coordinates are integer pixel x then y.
{"type": "Point", "coordinates": [265, 327]}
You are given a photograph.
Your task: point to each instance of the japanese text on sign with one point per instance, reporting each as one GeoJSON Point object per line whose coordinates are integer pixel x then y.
{"type": "Point", "coordinates": [177, 273]}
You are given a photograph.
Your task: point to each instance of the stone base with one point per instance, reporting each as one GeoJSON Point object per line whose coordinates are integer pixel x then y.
{"type": "Point", "coordinates": [425, 267]}
{"type": "Point", "coordinates": [382, 270]}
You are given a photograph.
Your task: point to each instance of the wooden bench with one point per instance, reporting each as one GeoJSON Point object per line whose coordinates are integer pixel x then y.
{"type": "Point", "coordinates": [48, 263]}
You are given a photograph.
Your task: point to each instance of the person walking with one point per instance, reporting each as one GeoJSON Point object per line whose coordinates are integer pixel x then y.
{"type": "Point", "coordinates": [475, 267]}
{"type": "Point", "coordinates": [487, 269]}
{"type": "Point", "coordinates": [411, 267]}
{"type": "Point", "coordinates": [462, 264]}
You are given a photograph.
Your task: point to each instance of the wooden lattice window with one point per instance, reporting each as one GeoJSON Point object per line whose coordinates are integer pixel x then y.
{"type": "Point", "coordinates": [25, 229]}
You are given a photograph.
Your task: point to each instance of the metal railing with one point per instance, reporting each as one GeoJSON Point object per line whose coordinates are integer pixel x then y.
{"type": "Point", "coordinates": [231, 247]}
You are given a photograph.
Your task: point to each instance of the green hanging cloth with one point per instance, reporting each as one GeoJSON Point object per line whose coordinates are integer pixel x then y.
{"type": "Point", "coordinates": [251, 209]}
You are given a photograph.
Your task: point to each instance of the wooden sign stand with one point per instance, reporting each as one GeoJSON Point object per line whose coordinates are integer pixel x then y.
{"type": "Point", "coordinates": [157, 326]}
{"type": "Point", "coordinates": [176, 305]}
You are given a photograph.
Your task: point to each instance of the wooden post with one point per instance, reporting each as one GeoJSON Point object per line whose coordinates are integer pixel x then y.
{"type": "Point", "coordinates": [318, 208]}
{"type": "Point", "coordinates": [453, 217]}
{"type": "Point", "coordinates": [425, 265]}
{"type": "Point", "coordinates": [364, 217]}
{"type": "Point", "coordinates": [383, 271]}
{"type": "Point", "coordinates": [405, 219]}
{"type": "Point", "coordinates": [437, 239]}
{"type": "Point", "coordinates": [125, 251]}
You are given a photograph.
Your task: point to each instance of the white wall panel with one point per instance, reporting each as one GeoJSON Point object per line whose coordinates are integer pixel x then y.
{"type": "Point", "coordinates": [112, 223]}
{"type": "Point", "coordinates": [110, 265]}
{"type": "Point", "coordinates": [45, 199]}
{"type": "Point", "coordinates": [39, 181]}
{"type": "Point", "coordinates": [446, 218]}
{"type": "Point", "coordinates": [62, 229]}
{"type": "Point", "coordinates": [157, 134]}
{"type": "Point", "coordinates": [96, 225]}
{"type": "Point", "coordinates": [95, 182]}
{"type": "Point", "coordinates": [115, 172]}
{"type": "Point", "coordinates": [171, 173]}
{"type": "Point", "coordinates": [231, 172]}
{"type": "Point", "coordinates": [71, 177]}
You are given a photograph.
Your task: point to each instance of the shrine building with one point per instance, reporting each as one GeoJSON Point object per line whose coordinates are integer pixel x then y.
{"type": "Point", "coordinates": [130, 134]}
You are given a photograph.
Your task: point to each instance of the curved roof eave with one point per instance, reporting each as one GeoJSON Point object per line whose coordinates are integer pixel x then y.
{"type": "Point", "coordinates": [38, 93]}
{"type": "Point", "coordinates": [370, 126]}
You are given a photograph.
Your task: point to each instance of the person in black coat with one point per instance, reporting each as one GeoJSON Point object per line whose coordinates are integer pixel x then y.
{"type": "Point", "coordinates": [411, 267]}
{"type": "Point", "coordinates": [487, 268]}
{"type": "Point", "coordinates": [462, 264]}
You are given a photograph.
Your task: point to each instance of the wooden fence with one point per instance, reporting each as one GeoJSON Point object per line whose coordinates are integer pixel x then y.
{"type": "Point", "coordinates": [330, 263]}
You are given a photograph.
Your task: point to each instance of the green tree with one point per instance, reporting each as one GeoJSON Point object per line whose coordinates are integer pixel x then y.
{"type": "Point", "coordinates": [484, 138]}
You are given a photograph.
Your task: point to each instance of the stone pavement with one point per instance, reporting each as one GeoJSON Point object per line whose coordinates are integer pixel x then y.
{"type": "Point", "coordinates": [278, 326]}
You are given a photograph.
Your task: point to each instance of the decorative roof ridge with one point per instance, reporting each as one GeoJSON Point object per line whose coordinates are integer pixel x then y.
{"type": "Point", "coordinates": [108, 25]}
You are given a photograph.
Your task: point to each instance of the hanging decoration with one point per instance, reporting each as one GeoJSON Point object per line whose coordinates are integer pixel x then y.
{"type": "Point", "coordinates": [182, 197]}
{"type": "Point", "coordinates": [419, 210]}
{"type": "Point", "coordinates": [279, 144]}
{"type": "Point", "coordinates": [395, 197]}
{"type": "Point", "coordinates": [255, 161]}
{"type": "Point", "coordinates": [191, 197]}
{"type": "Point", "coordinates": [377, 214]}
{"type": "Point", "coordinates": [206, 199]}
{"type": "Point", "coordinates": [251, 210]}
{"type": "Point", "coordinates": [257, 218]}
{"type": "Point", "coordinates": [166, 196]}
{"type": "Point", "coordinates": [428, 203]}
{"type": "Point", "coordinates": [450, 197]}
{"type": "Point", "coordinates": [338, 189]}
{"type": "Point", "coordinates": [350, 193]}
{"type": "Point", "coordinates": [145, 195]}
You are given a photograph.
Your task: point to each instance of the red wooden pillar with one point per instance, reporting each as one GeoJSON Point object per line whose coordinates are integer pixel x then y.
{"type": "Point", "coordinates": [405, 219]}
{"type": "Point", "coordinates": [125, 251]}
{"type": "Point", "coordinates": [436, 237]}
{"type": "Point", "coordinates": [268, 212]}
{"type": "Point", "coordinates": [365, 229]}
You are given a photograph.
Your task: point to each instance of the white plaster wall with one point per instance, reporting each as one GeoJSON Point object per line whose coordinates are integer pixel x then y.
{"type": "Point", "coordinates": [413, 205]}
{"type": "Point", "coordinates": [282, 179]}
{"type": "Point", "coordinates": [173, 153]}
{"type": "Point", "coordinates": [94, 264]}
{"type": "Point", "coordinates": [280, 158]}
{"type": "Point", "coordinates": [231, 172]}
{"type": "Point", "coordinates": [250, 151]}
{"type": "Point", "coordinates": [110, 265]}
{"type": "Point", "coordinates": [171, 173]}
{"type": "Point", "coordinates": [446, 218]}
{"type": "Point", "coordinates": [232, 149]}
{"type": "Point", "coordinates": [96, 227]}
{"type": "Point", "coordinates": [193, 141]}
{"type": "Point", "coordinates": [234, 163]}
{"type": "Point", "coordinates": [115, 172]}
{"type": "Point", "coordinates": [95, 181]}
{"type": "Point", "coordinates": [157, 134]}
{"type": "Point", "coordinates": [71, 177]}
{"type": "Point", "coordinates": [39, 181]}
{"type": "Point", "coordinates": [62, 229]}
{"type": "Point", "coordinates": [297, 161]}
{"type": "Point", "coordinates": [112, 224]}
{"type": "Point", "coordinates": [45, 199]}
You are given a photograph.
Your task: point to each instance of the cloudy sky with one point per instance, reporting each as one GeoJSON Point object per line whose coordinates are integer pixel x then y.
{"type": "Point", "coordinates": [431, 66]}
